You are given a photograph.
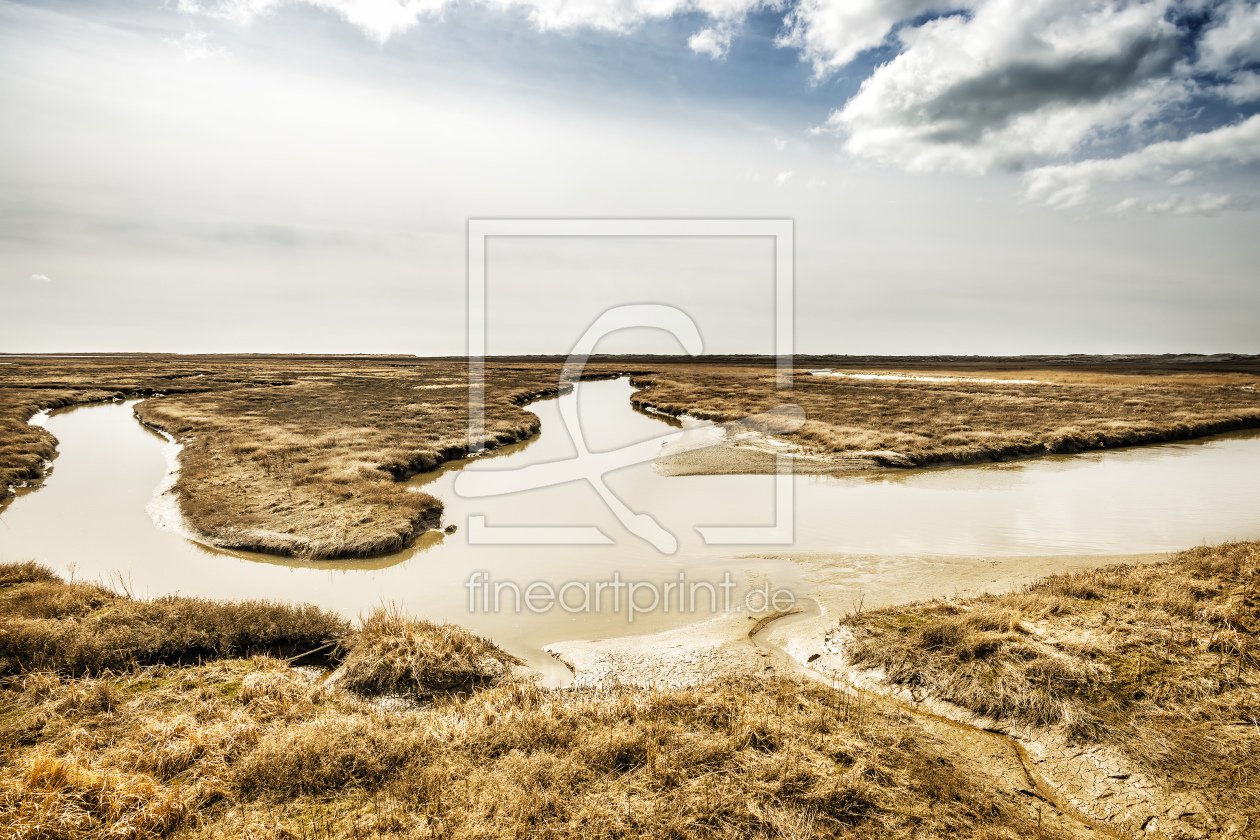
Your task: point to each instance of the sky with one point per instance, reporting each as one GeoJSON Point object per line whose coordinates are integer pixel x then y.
{"type": "Point", "coordinates": [964, 177]}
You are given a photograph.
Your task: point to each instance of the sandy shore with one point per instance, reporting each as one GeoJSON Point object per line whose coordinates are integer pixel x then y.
{"type": "Point", "coordinates": [674, 658]}
{"type": "Point", "coordinates": [834, 584]}
{"type": "Point", "coordinates": [707, 449]}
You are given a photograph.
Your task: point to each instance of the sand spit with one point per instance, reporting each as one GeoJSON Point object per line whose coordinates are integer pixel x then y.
{"type": "Point", "coordinates": [707, 448]}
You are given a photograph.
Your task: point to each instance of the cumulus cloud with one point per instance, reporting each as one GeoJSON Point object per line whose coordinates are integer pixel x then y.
{"type": "Point", "coordinates": [1017, 81]}
{"type": "Point", "coordinates": [980, 85]}
{"type": "Point", "coordinates": [1069, 185]}
{"type": "Point", "coordinates": [40, 278]}
{"type": "Point", "coordinates": [972, 85]}
{"type": "Point", "coordinates": [831, 33]}
{"type": "Point", "coordinates": [713, 42]}
{"type": "Point", "coordinates": [782, 178]}
{"type": "Point", "coordinates": [1244, 87]}
{"type": "Point", "coordinates": [1233, 39]}
{"type": "Point", "coordinates": [1207, 204]}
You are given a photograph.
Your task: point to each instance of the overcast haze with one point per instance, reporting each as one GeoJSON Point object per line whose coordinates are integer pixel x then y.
{"type": "Point", "coordinates": [982, 176]}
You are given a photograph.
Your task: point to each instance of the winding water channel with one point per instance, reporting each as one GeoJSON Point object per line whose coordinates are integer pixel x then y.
{"type": "Point", "coordinates": [895, 535]}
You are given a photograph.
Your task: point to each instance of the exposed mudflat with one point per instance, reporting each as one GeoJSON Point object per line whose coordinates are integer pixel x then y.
{"type": "Point", "coordinates": [686, 656]}
{"type": "Point", "coordinates": [707, 449]}
{"type": "Point", "coordinates": [834, 584]}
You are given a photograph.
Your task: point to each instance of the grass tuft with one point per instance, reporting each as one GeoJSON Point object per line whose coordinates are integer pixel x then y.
{"type": "Point", "coordinates": [26, 572]}
{"type": "Point", "coordinates": [395, 653]}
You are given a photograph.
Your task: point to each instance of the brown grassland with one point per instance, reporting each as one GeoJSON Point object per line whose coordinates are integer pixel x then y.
{"type": "Point", "coordinates": [306, 455]}
{"type": "Point", "coordinates": [285, 454]}
{"type": "Point", "coordinates": [908, 423]}
{"type": "Point", "coordinates": [174, 718]}
{"type": "Point", "coordinates": [229, 746]}
{"type": "Point", "coordinates": [1162, 661]}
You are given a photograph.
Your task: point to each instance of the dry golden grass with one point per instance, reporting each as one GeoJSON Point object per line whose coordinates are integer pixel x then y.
{"type": "Point", "coordinates": [130, 756]}
{"type": "Point", "coordinates": [904, 423]}
{"type": "Point", "coordinates": [29, 384]}
{"type": "Point", "coordinates": [1162, 660]}
{"type": "Point", "coordinates": [193, 752]}
{"type": "Point", "coordinates": [26, 572]}
{"type": "Point", "coordinates": [250, 748]}
{"type": "Point", "coordinates": [394, 653]}
{"type": "Point", "coordinates": [83, 628]}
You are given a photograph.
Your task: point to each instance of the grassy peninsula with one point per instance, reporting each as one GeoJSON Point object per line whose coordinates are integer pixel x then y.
{"type": "Point", "coordinates": [286, 455]}
{"type": "Point", "coordinates": [305, 456]}
{"type": "Point", "coordinates": [921, 415]}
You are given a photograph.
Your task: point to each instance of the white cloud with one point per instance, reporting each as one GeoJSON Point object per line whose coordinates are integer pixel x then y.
{"type": "Point", "coordinates": [1070, 184]}
{"type": "Point", "coordinates": [780, 145]}
{"type": "Point", "coordinates": [1234, 40]}
{"type": "Point", "coordinates": [1244, 87]}
{"type": "Point", "coordinates": [383, 19]}
{"type": "Point", "coordinates": [831, 33]}
{"type": "Point", "coordinates": [711, 42]}
{"type": "Point", "coordinates": [782, 178]}
{"type": "Point", "coordinates": [378, 19]}
{"type": "Point", "coordinates": [40, 278]}
{"type": "Point", "coordinates": [196, 46]}
{"type": "Point", "coordinates": [975, 85]}
{"type": "Point", "coordinates": [1019, 81]}
{"type": "Point", "coordinates": [1184, 176]}
{"type": "Point", "coordinates": [1125, 206]}
{"type": "Point", "coordinates": [1207, 204]}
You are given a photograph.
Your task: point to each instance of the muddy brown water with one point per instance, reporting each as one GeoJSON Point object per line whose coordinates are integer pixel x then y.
{"type": "Point", "coordinates": [89, 519]}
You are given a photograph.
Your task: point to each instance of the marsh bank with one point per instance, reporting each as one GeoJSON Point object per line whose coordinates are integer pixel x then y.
{"type": "Point", "coordinates": [885, 536]}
